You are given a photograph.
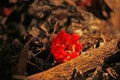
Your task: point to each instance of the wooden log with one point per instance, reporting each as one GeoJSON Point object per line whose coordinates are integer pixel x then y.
{"type": "Point", "coordinates": [85, 62]}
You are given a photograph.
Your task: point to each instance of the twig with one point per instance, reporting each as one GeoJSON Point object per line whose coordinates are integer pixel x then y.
{"type": "Point", "coordinates": [21, 66]}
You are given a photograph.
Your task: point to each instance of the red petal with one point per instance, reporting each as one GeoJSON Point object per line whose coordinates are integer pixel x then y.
{"type": "Point", "coordinates": [78, 47]}
{"type": "Point", "coordinates": [7, 11]}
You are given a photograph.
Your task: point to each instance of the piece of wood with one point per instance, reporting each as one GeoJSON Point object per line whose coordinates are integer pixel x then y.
{"type": "Point", "coordinates": [85, 62]}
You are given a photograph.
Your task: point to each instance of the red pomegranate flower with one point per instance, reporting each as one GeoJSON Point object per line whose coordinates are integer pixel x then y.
{"type": "Point", "coordinates": [65, 46]}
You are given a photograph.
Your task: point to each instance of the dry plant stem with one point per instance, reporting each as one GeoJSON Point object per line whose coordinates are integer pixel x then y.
{"type": "Point", "coordinates": [85, 62]}
{"type": "Point", "coordinates": [21, 66]}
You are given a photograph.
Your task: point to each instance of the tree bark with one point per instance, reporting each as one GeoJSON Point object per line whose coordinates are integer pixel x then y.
{"type": "Point", "coordinates": [85, 62]}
